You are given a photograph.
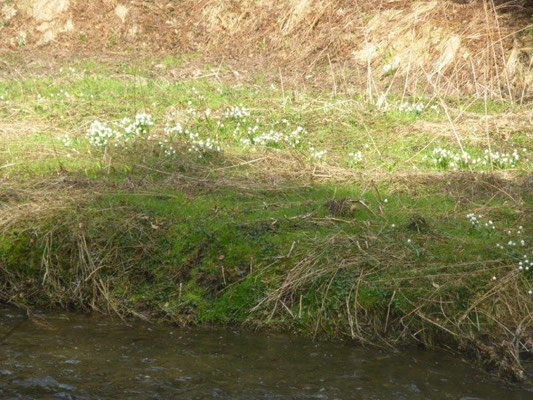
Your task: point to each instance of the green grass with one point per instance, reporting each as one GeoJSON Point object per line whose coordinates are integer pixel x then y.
{"type": "Point", "coordinates": [379, 251]}
{"type": "Point", "coordinates": [71, 100]}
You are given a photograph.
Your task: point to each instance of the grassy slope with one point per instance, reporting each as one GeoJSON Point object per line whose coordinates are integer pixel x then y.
{"type": "Point", "coordinates": [378, 250]}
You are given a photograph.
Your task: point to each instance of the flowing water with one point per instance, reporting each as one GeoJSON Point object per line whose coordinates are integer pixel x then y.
{"type": "Point", "coordinates": [73, 356]}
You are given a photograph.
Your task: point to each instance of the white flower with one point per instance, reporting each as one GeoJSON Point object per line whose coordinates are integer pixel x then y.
{"type": "Point", "coordinates": [67, 141]}
{"type": "Point", "coordinates": [171, 129]}
{"type": "Point", "coordinates": [100, 134]}
{"type": "Point", "coordinates": [355, 158]}
{"type": "Point", "coordinates": [317, 154]}
{"type": "Point", "coordinates": [237, 113]}
{"type": "Point", "coordinates": [387, 68]}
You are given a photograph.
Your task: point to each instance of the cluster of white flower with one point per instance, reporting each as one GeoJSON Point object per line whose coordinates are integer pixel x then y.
{"type": "Point", "coordinates": [197, 114]}
{"type": "Point", "coordinates": [444, 158]}
{"type": "Point", "coordinates": [519, 232]}
{"type": "Point", "coordinates": [474, 221]}
{"type": "Point", "coordinates": [100, 134]}
{"type": "Point", "coordinates": [273, 138]}
{"type": "Point", "coordinates": [176, 128]}
{"type": "Point", "coordinates": [61, 93]}
{"type": "Point", "coordinates": [411, 107]}
{"type": "Point", "coordinates": [67, 141]}
{"type": "Point", "coordinates": [416, 107]}
{"type": "Point", "coordinates": [237, 131]}
{"type": "Point", "coordinates": [72, 70]}
{"type": "Point", "coordinates": [294, 137]}
{"type": "Point", "coordinates": [355, 159]}
{"type": "Point", "coordinates": [198, 95]}
{"type": "Point", "coordinates": [139, 126]}
{"type": "Point", "coordinates": [198, 135]}
{"type": "Point", "coordinates": [191, 110]}
{"type": "Point", "coordinates": [240, 115]}
{"type": "Point", "coordinates": [525, 264]}
{"type": "Point", "coordinates": [202, 146]}
{"type": "Point", "coordinates": [251, 132]}
{"type": "Point", "coordinates": [502, 160]}
{"type": "Point", "coordinates": [518, 253]}
{"type": "Point", "coordinates": [195, 143]}
{"type": "Point", "coordinates": [510, 244]}
{"type": "Point", "coordinates": [477, 221]}
{"type": "Point", "coordinates": [243, 130]}
{"type": "Point", "coordinates": [167, 147]}
{"type": "Point", "coordinates": [169, 151]}
{"type": "Point", "coordinates": [237, 113]}
{"type": "Point", "coordinates": [317, 155]}
{"type": "Point", "coordinates": [525, 261]}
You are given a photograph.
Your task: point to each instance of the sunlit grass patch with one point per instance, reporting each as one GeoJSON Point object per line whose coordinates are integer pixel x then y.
{"type": "Point", "coordinates": [334, 128]}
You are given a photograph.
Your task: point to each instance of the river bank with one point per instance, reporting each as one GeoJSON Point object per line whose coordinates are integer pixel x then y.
{"type": "Point", "coordinates": [199, 200]}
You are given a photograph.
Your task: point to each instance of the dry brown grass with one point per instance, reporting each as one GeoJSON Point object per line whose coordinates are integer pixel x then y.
{"type": "Point", "coordinates": [473, 127]}
{"type": "Point", "coordinates": [430, 319]}
{"type": "Point", "coordinates": [435, 46]}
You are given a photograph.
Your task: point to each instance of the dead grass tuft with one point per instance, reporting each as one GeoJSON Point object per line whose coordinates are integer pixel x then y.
{"type": "Point", "coordinates": [419, 306]}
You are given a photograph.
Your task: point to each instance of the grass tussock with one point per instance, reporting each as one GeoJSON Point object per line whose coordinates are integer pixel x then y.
{"type": "Point", "coordinates": [198, 201]}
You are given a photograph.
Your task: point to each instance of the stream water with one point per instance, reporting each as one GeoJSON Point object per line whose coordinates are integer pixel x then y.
{"type": "Point", "coordinates": [75, 356]}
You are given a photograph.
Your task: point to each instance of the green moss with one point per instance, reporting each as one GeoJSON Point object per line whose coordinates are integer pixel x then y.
{"type": "Point", "coordinates": [234, 305]}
